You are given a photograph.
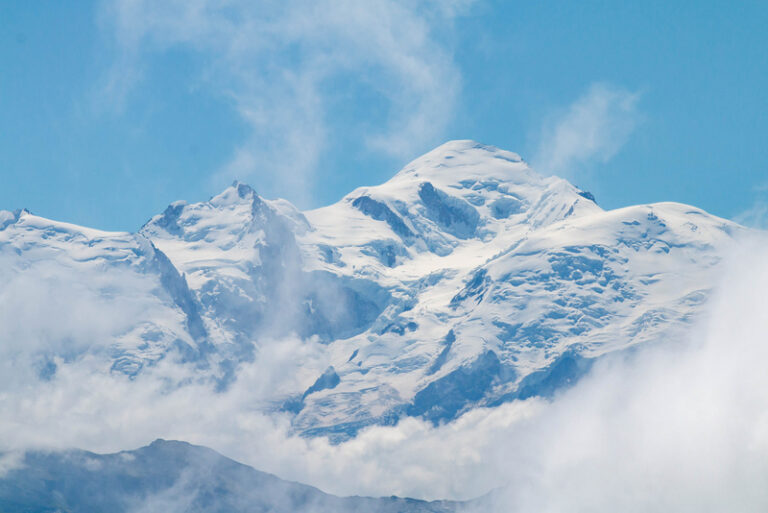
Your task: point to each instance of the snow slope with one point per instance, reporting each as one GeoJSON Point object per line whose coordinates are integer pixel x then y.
{"type": "Point", "coordinates": [111, 293]}
{"type": "Point", "coordinates": [467, 279]}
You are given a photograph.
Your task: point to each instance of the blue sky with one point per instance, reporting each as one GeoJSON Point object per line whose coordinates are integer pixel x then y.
{"type": "Point", "coordinates": [111, 110]}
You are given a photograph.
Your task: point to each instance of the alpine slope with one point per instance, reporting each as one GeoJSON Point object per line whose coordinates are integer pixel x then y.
{"type": "Point", "coordinates": [466, 280]}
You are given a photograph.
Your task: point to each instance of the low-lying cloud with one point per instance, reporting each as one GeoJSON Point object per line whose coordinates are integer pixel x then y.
{"type": "Point", "coordinates": [680, 426]}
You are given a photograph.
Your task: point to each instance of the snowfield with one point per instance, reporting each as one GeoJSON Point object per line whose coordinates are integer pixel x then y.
{"type": "Point", "coordinates": [466, 280]}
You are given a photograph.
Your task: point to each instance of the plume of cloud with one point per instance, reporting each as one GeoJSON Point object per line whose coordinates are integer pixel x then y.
{"type": "Point", "coordinates": [592, 129]}
{"type": "Point", "coordinates": [289, 67]}
{"type": "Point", "coordinates": [756, 216]}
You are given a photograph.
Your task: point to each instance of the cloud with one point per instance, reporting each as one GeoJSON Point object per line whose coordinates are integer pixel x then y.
{"type": "Point", "coordinates": [304, 75]}
{"type": "Point", "coordinates": [756, 216]}
{"type": "Point", "coordinates": [679, 426]}
{"type": "Point", "coordinates": [10, 461]}
{"type": "Point", "coordinates": [593, 129]}
{"type": "Point", "coordinates": [50, 308]}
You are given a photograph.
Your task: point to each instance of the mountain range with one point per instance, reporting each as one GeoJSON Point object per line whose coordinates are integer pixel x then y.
{"type": "Point", "coordinates": [172, 477]}
{"type": "Point", "coordinates": [466, 280]}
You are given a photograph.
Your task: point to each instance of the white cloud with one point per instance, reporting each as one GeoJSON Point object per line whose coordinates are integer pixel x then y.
{"type": "Point", "coordinates": [681, 426]}
{"type": "Point", "coordinates": [593, 129]}
{"type": "Point", "coordinates": [290, 67]}
{"type": "Point", "coordinates": [756, 216]}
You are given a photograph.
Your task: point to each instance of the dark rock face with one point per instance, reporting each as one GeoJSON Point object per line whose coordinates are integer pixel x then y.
{"type": "Point", "coordinates": [452, 214]}
{"type": "Point", "coordinates": [587, 195]}
{"type": "Point", "coordinates": [381, 212]}
{"type": "Point", "coordinates": [445, 398]}
{"type": "Point", "coordinates": [448, 341]}
{"type": "Point", "coordinates": [328, 379]}
{"type": "Point", "coordinates": [561, 374]}
{"type": "Point", "coordinates": [176, 286]}
{"type": "Point", "coordinates": [475, 288]}
{"type": "Point", "coordinates": [502, 208]}
{"type": "Point", "coordinates": [172, 477]}
{"type": "Point", "coordinates": [170, 218]}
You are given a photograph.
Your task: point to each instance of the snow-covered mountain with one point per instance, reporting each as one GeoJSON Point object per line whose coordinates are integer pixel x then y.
{"type": "Point", "coordinates": [467, 279]}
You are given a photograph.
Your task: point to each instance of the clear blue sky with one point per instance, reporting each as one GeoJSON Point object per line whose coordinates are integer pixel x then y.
{"type": "Point", "coordinates": [111, 110]}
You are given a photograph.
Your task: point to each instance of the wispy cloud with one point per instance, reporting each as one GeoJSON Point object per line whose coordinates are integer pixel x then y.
{"type": "Point", "coordinates": [289, 67]}
{"type": "Point", "coordinates": [592, 129]}
{"type": "Point", "coordinates": [756, 216]}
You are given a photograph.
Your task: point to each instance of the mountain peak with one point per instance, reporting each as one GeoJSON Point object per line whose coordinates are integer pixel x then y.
{"type": "Point", "coordinates": [465, 280]}
{"type": "Point", "coordinates": [8, 217]}
{"type": "Point", "coordinates": [465, 145]}
{"type": "Point", "coordinates": [459, 194]}
{"type": "Point", "coordinates": [243, 189]}
{"type": "Point", "coordinates": [454, 158]}
{"type": "Point", "coordinates": [237, 193]}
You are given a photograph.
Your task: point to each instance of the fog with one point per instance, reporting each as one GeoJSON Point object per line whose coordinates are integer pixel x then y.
{"type": "Point", "coordinates": [679, 426]}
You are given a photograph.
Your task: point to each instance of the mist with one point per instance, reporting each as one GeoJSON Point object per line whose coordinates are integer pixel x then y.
{"type": "Point", "coordinates": [681, 425]}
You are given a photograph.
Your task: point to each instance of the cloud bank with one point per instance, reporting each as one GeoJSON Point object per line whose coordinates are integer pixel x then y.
{"type": "Point", "coordinates": [296, 71]}
{"type": "Point", "coordinates": [677, 427]}
{"type": "Point", "coordinates": [680, 426]}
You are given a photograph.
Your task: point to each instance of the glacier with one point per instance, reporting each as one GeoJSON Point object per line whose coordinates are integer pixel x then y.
{"type": "Point", "coordinates": [466, 280]}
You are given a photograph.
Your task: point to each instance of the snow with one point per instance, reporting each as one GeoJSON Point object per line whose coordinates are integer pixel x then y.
{"type": "Point", "coordinates": [442, 289]}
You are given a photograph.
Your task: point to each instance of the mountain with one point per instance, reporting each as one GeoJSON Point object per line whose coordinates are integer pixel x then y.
{"type": "Point", "coordinates": [172, 477]}
{"type": "Point", "coordinates": [145, 307]}
{"type": "Point", "coordinates": [466, 280]}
